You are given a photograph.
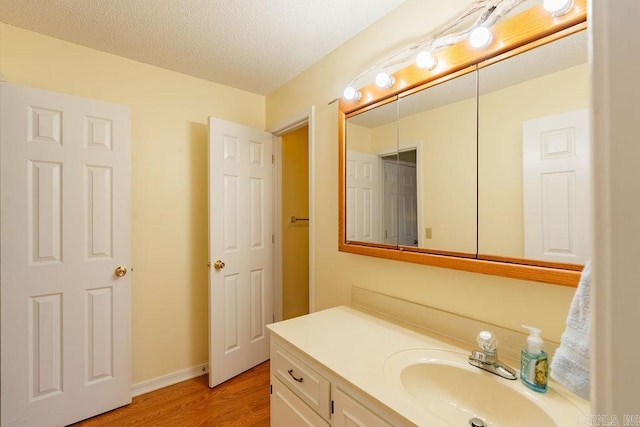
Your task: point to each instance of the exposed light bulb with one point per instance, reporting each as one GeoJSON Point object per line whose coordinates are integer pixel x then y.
{"type": "Point", "coordinates": [480, 37]}
{"type": "Point", "coordinates": [384, 80]}
{"type": "Point", "coordinates": [351, 94]}
{"type": "Point", "coordinates": [557, 7]}
{"type": "Point", "coordinates": [426, 60]}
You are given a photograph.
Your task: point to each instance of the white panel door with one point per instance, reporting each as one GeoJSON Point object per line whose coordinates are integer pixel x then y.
{"type": "Point", "coordinates": [407, 205]}
{"type": "Point", "coordinates": [362, 197]}
{"type": "Point", "coordinates": [66, 316]}
{"type": "Point", "coordinates": [399, 205]}
{"type": "Point", "coordinates": [390, 202]}
{"type": "Point", "coordinates": [240, 236]}
{"type": "Point", "coordinates": [557, 188]}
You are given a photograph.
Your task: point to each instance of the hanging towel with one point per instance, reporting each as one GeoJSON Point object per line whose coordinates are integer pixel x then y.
{"type": "Point", "coordinates": [570, 365]}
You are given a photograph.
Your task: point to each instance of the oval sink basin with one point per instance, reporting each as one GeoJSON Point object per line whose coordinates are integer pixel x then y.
{"type": "Point", "coordinates": [443, 383]}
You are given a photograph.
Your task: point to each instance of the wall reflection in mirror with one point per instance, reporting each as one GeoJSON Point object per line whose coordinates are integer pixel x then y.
{"type": "Point", "coordinates": [492, 164]}
{"type": "Point", "coordinates": [439, 123]}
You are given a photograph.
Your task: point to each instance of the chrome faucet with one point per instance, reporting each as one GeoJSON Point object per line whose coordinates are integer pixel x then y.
{"type": "Point", "coordinates": [487, 359]}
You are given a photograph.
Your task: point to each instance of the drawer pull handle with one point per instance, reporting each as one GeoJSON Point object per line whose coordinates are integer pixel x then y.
{"type": "Point", "coordinates": [290, 371]}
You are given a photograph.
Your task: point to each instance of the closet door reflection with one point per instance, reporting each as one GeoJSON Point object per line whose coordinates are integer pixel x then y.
{"type": "Point", "coordinates": [437, 138]}
{"type": "Point", "coordinates": [371, 176]}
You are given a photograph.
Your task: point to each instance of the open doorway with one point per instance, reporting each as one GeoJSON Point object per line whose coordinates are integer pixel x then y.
{"type": "Point", "coordinates": [299, 131]}
{"type": "Point", "coordinates": [295, 222]}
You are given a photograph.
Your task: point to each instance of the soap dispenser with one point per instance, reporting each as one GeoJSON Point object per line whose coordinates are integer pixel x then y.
{"type": "Point", "coordinates": [534, 363]}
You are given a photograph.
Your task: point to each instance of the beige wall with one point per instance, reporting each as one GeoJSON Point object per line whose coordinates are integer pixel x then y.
{"type": "Point", "coordinates": [359, 138]}
{"type": "Point", "coordinates": [169, 181]}
{"type": "Point", "coordinates": [384, 139]}
{"type": "Point", "coordinates": [492, 299]}
{"type": "Point", "coordinates": [295, 236]}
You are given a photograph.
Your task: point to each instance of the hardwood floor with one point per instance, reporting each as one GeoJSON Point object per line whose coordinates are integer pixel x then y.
{"type": "Point", "coordinates": [241, 401]}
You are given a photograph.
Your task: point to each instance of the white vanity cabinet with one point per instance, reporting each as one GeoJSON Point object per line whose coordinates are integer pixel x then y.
{"type": "Point", "coordinates": [289, 410]}
{"type": "Point", "coordinates": [349, 412]}
{"type": "Point", "coordinates": [306, 393]}
{"type": "Point", "coordinates": [346, 367]}
{"type": "Point", "coordinates": [311, 388]}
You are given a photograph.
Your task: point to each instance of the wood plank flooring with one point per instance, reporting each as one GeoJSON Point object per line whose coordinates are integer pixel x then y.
{"type": "Point", "coordinates": [241, 401]}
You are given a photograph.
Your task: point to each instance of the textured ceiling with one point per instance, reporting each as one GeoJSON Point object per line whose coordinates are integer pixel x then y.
{"type": "Point", "coordinates": [254, 45]}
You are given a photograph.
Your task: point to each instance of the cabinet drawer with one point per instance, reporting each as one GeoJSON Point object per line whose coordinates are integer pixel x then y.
{"type": "Point", "coordinates": [305, 382]}
{"type": "Point", "coordinates": [288, 410]}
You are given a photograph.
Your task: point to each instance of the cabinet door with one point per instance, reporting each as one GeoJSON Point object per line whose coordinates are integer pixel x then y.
{"type": "Point", "coordinates": [349, 412]}
{"type": "Point", "coordinates": [287, 410]}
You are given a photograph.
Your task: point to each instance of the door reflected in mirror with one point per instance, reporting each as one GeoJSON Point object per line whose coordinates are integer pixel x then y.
{"type": "Point", "coordinates": [534, 166]}
{"type": "Point", "coordinates": [371, 186]}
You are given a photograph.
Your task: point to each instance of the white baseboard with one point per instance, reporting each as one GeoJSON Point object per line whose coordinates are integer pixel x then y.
{"type": "Point", "coordinates": [169, 379]}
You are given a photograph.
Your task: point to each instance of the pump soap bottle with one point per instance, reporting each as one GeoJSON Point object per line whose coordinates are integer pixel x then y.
{"type": "Point", "coordinates": [534, 363]}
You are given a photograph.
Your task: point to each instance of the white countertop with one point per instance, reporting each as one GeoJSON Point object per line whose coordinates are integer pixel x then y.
{"type": "Point", "coordinates": [355, 345]}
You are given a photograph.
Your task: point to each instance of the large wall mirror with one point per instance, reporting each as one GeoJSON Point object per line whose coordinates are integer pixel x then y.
{"type": "Point", "coordinates": [481, 167]}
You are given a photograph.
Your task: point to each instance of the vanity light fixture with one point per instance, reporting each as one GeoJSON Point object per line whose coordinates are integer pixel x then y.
{"type": "Point", "coordinates": [425, 59]}
{"type": "Point", "coordinates": [478, 32]}
{"type": "Point", "coordinates": [351, 94]}
{"type": "Point", "coordinates": [384, 80]}
{"type": "Point", "coordinates": [480, 37]}
{"type": "Point", "coordinates": [557, 7]}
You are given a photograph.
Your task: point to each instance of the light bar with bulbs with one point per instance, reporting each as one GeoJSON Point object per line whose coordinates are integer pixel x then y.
{"type": "Point", "coordinates": [479, 35]}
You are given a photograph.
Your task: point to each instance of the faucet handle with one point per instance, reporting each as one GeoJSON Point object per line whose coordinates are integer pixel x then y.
{"type": "Point", "coordinates": [487, 341]}
{"type": "Point", "coordinates": [478, 356]}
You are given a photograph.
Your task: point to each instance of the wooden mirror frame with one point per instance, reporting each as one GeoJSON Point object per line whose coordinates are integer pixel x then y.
{"type": "Point", "coordinates": [527, 30]}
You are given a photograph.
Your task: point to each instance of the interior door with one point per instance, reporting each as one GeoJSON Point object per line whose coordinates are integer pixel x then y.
{"type": "Point", "coordinates": [390, 202]}
{"type": "Point", "coordinates": [407, 205]}
{"type": "Point", "coordinates": [240, 248]}
{"type": "Point", "coordinates": [65, 226]}
{"type": "Point", "coordinates": [400, 208]}
{"type": "Point", "coordinates": [557, 187]}
{"type": "Point", "coordinates": [362, 198]}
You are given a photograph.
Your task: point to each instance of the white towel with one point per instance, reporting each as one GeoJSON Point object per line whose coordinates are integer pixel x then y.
{"type": "Point", "coordinates": [570, 365]}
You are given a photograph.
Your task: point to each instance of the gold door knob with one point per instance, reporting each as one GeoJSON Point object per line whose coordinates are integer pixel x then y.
{"type": "Point", "coordinates": [120, 271]}
{"type": "Point", "coordinates": [218, 265]}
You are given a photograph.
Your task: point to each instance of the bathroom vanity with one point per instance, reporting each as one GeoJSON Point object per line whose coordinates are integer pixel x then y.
{"type": "Point", "coordinates": [346, 366]}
